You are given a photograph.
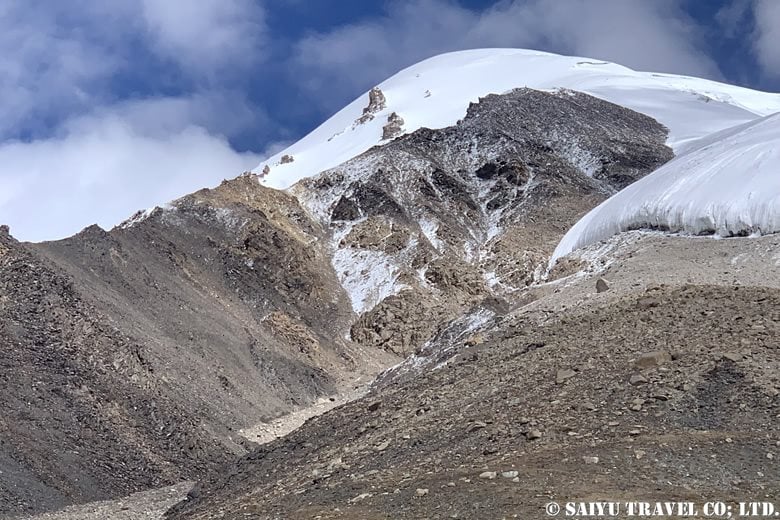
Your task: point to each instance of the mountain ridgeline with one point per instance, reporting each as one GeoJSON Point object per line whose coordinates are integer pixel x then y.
{"type": "Point", "coordinates": [135, 356]}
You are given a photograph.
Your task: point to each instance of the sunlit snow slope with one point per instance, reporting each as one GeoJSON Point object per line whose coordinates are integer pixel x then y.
{"type": "Point", "coordinates": [436, 92]}
{"type": "Point", "coordinates": [729, 186]}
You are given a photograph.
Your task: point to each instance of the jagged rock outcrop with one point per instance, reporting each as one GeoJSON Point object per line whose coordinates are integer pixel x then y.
{"type": "Point", "coordinates": [394, 126]}
{"type": "Point", "coordinates": [376, 103]}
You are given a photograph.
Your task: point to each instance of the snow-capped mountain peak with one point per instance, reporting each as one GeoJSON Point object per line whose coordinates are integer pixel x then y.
{"type": "Point", "coordinates": [435, 93]}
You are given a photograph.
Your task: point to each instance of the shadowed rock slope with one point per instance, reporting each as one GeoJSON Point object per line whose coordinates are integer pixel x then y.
{"type": "Point", "coordinates": [71, 429]}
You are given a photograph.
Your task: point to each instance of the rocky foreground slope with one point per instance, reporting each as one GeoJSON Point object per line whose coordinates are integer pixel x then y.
{"type": "Point", "coordinates": [642, 369]}
{"type": "Point", "coordinates": [134, 357]}
{"type": "Point", "coordinates": [659, 384]}
{"type": "Point", "coordinates": [141, 352]}
{"type": "Point", "coordinates": [71, 429]}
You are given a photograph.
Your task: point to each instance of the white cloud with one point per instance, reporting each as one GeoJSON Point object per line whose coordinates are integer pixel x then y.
{"type": "Point", "coordinates": [45, 71]}
{"type": "Point", "coordinates": [766, 45]}
{"type": "Point", "coordinates": [206, 35]}
{"type": "Point", "coordinates": [87, 157]}
{"type": "Point", "coordinates": [221, 112]}
{"type": "Point", "coordinates": [59, 58]}
{"type": "Point", "coordinates": [643, 35]}
{"type": "Point", "coordinates": [106, 166]}
{"type": "Point", "coordinates": [654, 36]}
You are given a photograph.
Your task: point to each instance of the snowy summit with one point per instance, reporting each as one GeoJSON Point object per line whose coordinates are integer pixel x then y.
{"type": "Point", "coordinates": [724, 179]}
{"type": "Point", "coordinates": [436, 92]}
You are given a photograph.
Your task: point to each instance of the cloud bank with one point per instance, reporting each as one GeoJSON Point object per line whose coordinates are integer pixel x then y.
{"type": "Point", "coordinates": [766, 44]}
{"type": "Point", "coordinates": [104, 168]}
{"type": "Point", "coordinates": [655, 36]}
{"type": "Point", "coordinates": [71, 153]}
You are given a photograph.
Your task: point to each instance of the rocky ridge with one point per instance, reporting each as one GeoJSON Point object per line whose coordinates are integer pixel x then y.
{"type": "Point", "coordinates": [148, 348]}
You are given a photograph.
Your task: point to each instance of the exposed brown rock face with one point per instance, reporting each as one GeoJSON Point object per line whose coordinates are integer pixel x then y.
{"type": "Point", "coordinates": [394, 126]}
{"type": "Point", "coordinates": [376, 103]}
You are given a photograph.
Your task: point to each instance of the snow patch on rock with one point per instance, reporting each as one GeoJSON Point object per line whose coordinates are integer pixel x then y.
{"type": "Point", "coordinates": [579, 158]}
{"type": "Point", "coordinates": [229, 219]}
{"type": "Point", "coordinates": [137, 218]}
{"type": "Point", "coordinates": [368, 277]}
{"type": "Point", "coordinates": [442, 349]}
{"type": "Point", "coordinates": [141, 215]}
{"type": "Point", "coordinates": [429, 227]}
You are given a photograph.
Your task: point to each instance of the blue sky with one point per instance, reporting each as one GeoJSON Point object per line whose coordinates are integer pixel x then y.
{"type": "Point", "coordinates": [108, 107]}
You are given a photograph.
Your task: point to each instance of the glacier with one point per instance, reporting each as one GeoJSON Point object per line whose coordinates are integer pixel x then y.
{"type": "Point", "coordinates": [727, 186]}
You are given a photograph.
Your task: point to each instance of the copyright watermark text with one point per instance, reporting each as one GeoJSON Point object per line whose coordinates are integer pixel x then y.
{"type": "Point", "coordinates": [638, 509]}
